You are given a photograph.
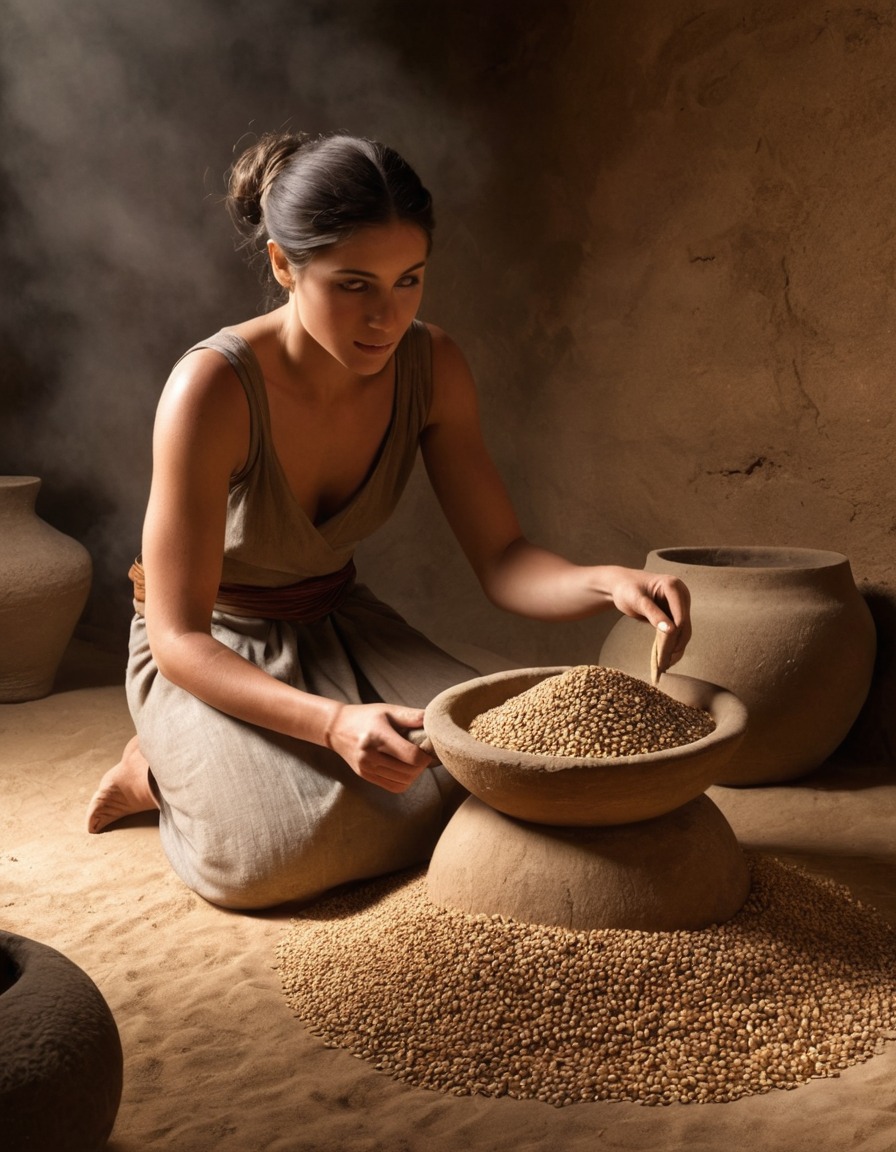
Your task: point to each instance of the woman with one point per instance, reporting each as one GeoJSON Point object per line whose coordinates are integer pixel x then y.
{"type": "Point", "coordinates": [272, 694]}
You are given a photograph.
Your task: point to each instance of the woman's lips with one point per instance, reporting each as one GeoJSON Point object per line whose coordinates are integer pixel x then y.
{"type": "Point", "coordinates": [374, 349]}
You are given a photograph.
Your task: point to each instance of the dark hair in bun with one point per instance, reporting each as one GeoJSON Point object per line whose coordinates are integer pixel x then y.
{"type": "Point", "coordinates": [307, 194]}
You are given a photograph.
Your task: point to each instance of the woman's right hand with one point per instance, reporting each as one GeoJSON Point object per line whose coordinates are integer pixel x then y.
{"type": "Point", "coordinates": [371, 739]}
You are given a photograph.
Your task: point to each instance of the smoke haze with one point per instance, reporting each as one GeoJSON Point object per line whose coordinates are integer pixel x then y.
{"type": "Point", "coordinates": [119, 121]}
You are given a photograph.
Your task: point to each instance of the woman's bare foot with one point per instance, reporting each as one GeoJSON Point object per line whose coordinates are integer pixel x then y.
{"type": "Point", "coordinates": [123, 791]}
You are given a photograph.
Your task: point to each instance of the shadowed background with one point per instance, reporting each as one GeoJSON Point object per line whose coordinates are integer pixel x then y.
{"type": "Point", "coordinates": [665, 242]}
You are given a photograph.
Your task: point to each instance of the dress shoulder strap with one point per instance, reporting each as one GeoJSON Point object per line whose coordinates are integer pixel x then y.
{"type": "Point", "coordinates": [243, 361]}
{"type": "Point", "coordinates": [415, 353]}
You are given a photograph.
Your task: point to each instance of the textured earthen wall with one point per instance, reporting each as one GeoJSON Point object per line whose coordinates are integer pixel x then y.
{"type": "Point", "coordinates": [665, 242]}
{"type": "Point", "coordinates": [682, 296]}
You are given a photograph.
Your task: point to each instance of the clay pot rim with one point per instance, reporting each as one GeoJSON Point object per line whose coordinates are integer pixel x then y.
{"type": "Point", "coordinates": [19, 481]}
{"type": "Point", "coordinates": [440, 723]}
{"type": "Point", "coordinates": [749, 557]}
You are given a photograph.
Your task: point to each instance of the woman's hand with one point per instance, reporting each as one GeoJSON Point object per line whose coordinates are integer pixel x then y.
{"type": "Point", "coordinates": [663, 601]}
{"type": "Point", "coordinates": [370, 738]}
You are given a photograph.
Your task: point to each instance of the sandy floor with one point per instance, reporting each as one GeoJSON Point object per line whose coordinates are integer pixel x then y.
{"type": "Point", "coordinates": [215, 1061]}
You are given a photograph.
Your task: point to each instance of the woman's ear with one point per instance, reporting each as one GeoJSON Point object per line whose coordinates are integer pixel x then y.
{"type": "Point", "coordinates": [280, 266]}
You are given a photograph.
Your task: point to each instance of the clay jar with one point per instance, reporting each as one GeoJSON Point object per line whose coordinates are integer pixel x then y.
{"type": "Point", "coordinates": [44, 580]}
{"type": "Point", "coordinates": [784, 629]}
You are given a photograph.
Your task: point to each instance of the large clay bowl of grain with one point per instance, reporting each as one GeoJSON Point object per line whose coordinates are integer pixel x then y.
{"type": "Point", "coordinates": [580, 792]}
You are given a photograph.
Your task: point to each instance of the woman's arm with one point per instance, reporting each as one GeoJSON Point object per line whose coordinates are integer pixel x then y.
{"type": "Point", "coordinates": [515, 574]}
{"type": "Point", "coordinates": [200, 439]}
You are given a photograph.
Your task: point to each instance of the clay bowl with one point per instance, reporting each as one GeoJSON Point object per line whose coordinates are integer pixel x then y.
{"type": "Point", "coordinates": [572, 792]}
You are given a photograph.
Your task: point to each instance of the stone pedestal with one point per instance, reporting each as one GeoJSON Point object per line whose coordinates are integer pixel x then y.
{"type": "Point", "coordinates": [682, 870]}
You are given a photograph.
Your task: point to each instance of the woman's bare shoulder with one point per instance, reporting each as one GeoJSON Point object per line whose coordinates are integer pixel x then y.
{"type": "Point", "coordinates": [203, 376]}
{"type": "Point", "coordinates": [442, 344]}
{"type": "Point", "coordinates": [204, 370]}
{"type": "Point", "coordinates": [204, 410]}
{"type": "Point", "coordinates": [453, 386]}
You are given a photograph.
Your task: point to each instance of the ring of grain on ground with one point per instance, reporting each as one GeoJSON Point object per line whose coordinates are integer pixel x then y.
{"type": "Point", "coordinates": [801, 983]}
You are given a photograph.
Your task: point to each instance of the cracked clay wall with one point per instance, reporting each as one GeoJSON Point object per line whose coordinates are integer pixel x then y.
{"type": "Point", "coordinates": [665, 242]}
{"type": "Point", "coordinates": [685, 328]}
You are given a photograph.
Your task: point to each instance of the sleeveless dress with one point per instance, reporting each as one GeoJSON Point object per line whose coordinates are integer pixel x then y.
{"type": "Point", "coordinates": [250, 818]}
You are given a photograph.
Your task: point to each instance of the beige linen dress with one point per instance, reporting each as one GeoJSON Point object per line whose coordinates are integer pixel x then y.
{"type": "Point", "coordinates": [250, 818]}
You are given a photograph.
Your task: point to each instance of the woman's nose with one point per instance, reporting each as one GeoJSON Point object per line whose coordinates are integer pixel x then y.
{"type": "Point", "coordinates": [381, 312]}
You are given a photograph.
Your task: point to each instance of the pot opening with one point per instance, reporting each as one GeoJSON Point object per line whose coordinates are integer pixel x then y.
{"type": "Point", "coordinates": [748, 557]}
{"type": "Point", "coordinates": [9, 972]}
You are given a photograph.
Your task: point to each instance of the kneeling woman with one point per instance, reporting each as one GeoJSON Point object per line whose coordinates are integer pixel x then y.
{"type": "Point", "coordinates": [272, 693]}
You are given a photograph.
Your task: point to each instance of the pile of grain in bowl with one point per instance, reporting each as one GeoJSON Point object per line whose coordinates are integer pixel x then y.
{"type": "Point", "coordinates": [800, 984]}
{"type": "Point", "coordinates": [591, 711]}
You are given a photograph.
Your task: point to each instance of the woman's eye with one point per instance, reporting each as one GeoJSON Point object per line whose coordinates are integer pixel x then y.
{"type": "Point", "coordinates": [353, 285]}
{"type": "Point", "coordinates": [409, 282]}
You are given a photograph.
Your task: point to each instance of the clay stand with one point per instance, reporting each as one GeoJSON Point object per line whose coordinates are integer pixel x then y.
{"type": "Point", "coordinates": [627, 843]}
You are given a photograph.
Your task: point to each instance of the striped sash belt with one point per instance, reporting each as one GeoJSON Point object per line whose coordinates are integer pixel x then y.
{"type": "Point", "coordinates": [301, 603]}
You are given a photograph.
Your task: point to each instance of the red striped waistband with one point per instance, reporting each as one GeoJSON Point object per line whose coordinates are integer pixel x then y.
{"type": "Point", "coordinates": [301, 603]}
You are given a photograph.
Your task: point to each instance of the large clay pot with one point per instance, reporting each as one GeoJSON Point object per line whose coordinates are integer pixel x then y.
{"type": "Point", "coordinates": [44, 580]}
{"type": "Point", "coordinates": [784, 629]}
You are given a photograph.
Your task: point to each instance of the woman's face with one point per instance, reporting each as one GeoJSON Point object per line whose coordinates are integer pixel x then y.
{"type": "Point", "coordinates": [357, 299]}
